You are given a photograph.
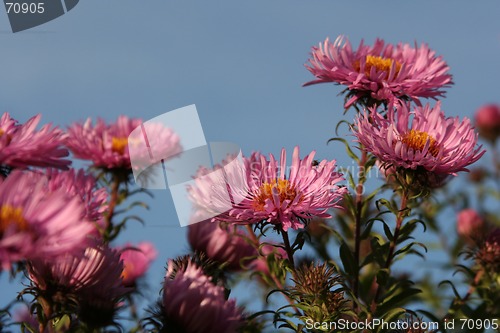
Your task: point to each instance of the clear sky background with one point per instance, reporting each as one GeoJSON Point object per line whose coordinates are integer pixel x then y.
{"type": "Point", "coordinates": [240, 62]}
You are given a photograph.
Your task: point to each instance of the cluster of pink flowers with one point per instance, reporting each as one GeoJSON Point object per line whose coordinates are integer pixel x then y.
{"type": "Point", "coordinates": [58, 224]}
{"type": "Point", "coordinates": [53, 220]}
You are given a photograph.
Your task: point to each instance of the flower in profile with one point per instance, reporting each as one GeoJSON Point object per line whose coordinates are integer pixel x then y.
{"type": "Point", "coordinates": [470, 224]}
{"type": "Point", "coordinates": [487, 120]}
{"type": "Point", "coordinates": [423, 144]}
{"type": "Point", "coordinates": [35, 223]}
{"type": "Point", "coordinates": [91, 277]}
{"type": "Point", "coordinates": [220, 242]}
{"type": "Point", "coordinates": [263, 190]}
{"type": "Point", "coordinates": [136, 261]}
{"type": "Point", "coordinates": [380, 72]}
{"type": "Point", "coordinates": [21, 145]}
{"type": "Point", "coordinates": [106, 145]}
{"type": "Point", "coordinates": [192, 303]}
{"type": "Point", "coordinates": [81, 185]}
{"type": "Point", "coordinates": [317, 288]}
{"type": "Point", "coordinates": [488, 253]}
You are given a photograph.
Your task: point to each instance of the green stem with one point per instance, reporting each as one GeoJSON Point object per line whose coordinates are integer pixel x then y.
{"type": "Point", "coordinates": [115, 187]}
{"type": "Point", "coordinates": [288, 248]}
{"type": "Point", "coordinates": [392, 247]}
{"type": "Point", "coordinates": [357, 220]}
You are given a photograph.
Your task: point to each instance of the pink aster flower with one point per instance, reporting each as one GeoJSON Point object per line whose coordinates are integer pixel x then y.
{"type": "Point", "coordinates": [381, 72]}
{"type": "Point", "coordinates": [487, 120]}
{"type": "Point", "coordinates": [107, 145]}
{"type": "Point", "coordinates": [136, 261]}
{"type": "Point", "coordinates": [221, 243]}
{"type": "Point", "coordinates": [469, 224]}
{"type": "Point", "coordinates": [422, 139]}
{"type": "Point", "coordinates": [21, 145]}
{"type": "Point", "coordinates": [35, 223]}
{"type": "Point", "coordinates": [80, 185]}
{"type": "Point", "coordinates": [92, 277]}
{"type": "Point", "coordinates": [192, 303]}
{"type": "Point", "coordinates": [265, 191]}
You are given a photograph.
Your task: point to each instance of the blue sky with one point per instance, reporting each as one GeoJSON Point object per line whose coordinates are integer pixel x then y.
{"type": "Point", "coordinates": [241, 63]}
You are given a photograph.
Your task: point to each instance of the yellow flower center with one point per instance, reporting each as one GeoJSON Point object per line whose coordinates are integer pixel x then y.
{"type": "Point", "coordinates": [380, 64]}
{"type": "Point", "coordinates": [12, 216]}
{"type": "Point", "coordinates": [1, 132]}
{"type": "Point", "coordinates": [118, 145]}
{"type": "Point", "coordinates": [417, 140]}
{"type": "Point", "coordinates": [283, 188]}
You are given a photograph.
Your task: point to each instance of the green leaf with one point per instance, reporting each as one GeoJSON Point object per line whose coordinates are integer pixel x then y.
{"type": "Point", "coordinates": [348, 149]}
{"type": "Point", "coordinates": [348, 260]}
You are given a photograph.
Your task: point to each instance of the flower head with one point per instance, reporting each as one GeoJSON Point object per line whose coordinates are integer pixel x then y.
{"type": "Point", "coordinates": [220, 242]}
{"type": "Point", "coordinates": [106, 145]}
{"type": "Point", "coordinates": [21, 145]}
{"type": "Point", "coordinates": [469, 224]}
{"type": "Point", "coordinates": [91, 277]}
{"type": "Point", "coordinates": [423, 141]}
{"type": "Point", "coordinates": [83, 186]}
{"type": "Point", "coordinates": [192, 303]}
{"type": "Point", "coordinates": [487, 120]}
{"type": "Point", "coordinates": [381, 72]}
{"type": "Point", "coordinates": [263, 190]}
{"type": "Point", "coordinates": [488, 253]}
{"type": "Point", "coordinates": [136, 261]}
{"type": "Point", "coordinates": [35, 223]}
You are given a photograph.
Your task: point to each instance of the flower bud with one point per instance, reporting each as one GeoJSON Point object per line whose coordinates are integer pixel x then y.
{"type": "Point", "coordinates": [488, 121]}
{"type": "Point", "coordinates": [469, 224]}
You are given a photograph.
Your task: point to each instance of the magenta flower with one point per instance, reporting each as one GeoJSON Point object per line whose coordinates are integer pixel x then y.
{"type": "Point", "coordinates": [21, 145]}
{"type": "Point", "coordinates": [381, 72]}
{"type": "Point", "coordinates": [92, 277]}
{"type": "Point", "coordinates": [35, 223]}
{"type": "Point", "coordinates": [136, 261]}
{"type": "Point", "coordinates": [487, 120]}
{"type": "Point", "coordinates": [423, 139]}
{"type": "Point", "coordinates": [192, 303]}
{"type": "Point", "coordinates": [107, 145]}
{"type": "Point", "coordinates": [269, 194]}
{"type": "Point", "coordinates": [469, 224]}
{"type": "Point", "coordinates": [221, 243]}
{"type": "Point", "coordinates": [81, 185]}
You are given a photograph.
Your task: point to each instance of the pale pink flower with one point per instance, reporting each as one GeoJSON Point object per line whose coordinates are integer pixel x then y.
{"type": "Point", "coordinates": [92, 277]}
{"type": "Point", "coordinates": [136, 261]}
{"type": "Point", "coordinates": [35, 223]}
{"type": "Point", "coordinates": [220, 242]}
{"type": "Point", "coordinates": [193, 304]}
{"type": "Point", "coordinates": [21, 145]}
{"type": "Point", "coordinates": [381, 72]}
{"type": "Point", "coordinates": [265, 191]}
{"type": "Point", "coordinates": [106, 145]}
{"type": "Point", "coordinates": [487, 120]}
{"type": "Point", "coordinates": [469, 223]}
{"type": "Point", "coordinates": [422, 139]}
